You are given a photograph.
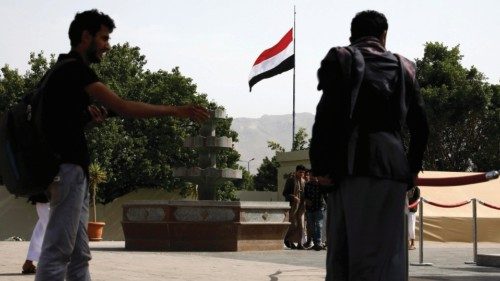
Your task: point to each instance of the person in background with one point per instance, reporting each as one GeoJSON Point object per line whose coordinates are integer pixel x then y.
{"type": "Point", "coordinates": [315, 206]}
{"type": "Point", "coordinates": [308, 244]}
{"type": "Point", "coordinates": [294, 193]}
{"type": "Point", "coordinates": [42, 205]}
{"type": "Point", "coordinates": [413, 196]}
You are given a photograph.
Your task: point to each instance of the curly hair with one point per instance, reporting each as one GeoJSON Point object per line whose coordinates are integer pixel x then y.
{"type": "Point", "coordinates": [91, 21]}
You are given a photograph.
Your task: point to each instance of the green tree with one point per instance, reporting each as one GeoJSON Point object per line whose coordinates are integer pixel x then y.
{"type": "Point", "coordinates": [463, 112]}
{"type": "Point", "coordinates": [13, 86]}
{"type": "Point", "coordinates": [134, 152]}
{"type": "Point", "coordinates": [96, 176]}
{"type": "Point", "coordinates": [226, 192]}
{"type": "Point", "coordinates": [300, 140]}
{"type": "Point", "coordinates": [274, 146]}
{"type": "Point", "coordinates": [267, 174]}
{"type": "Point", "coordinates": [246, 182]}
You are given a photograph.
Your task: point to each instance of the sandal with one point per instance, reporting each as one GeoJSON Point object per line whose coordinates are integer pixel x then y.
{"type": "Point", "coordinates": [29, 269]}
{"type": "Point", "coordinates": [411, 248]}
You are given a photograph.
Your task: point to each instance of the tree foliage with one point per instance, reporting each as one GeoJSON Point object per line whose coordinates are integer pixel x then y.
{"type": "Point", "coordinates": [96, 176]}
{"type": "Point", "coordinates": [463, 112]}
{"type": "Point", "coordinates": [300, 141]}
{"type": "Point", "coordinates": [267, 174]}
{"type": "Point", "coordinates": [134, 152]}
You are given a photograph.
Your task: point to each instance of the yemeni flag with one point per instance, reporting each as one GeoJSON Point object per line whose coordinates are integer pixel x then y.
{"type": "Point", "coordinates": [274, 60]}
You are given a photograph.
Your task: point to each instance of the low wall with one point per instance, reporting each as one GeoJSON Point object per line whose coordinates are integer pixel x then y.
{"type": "Point", "coordinates": [17, 217]}
{"type": "Point", "coordinates": [454, 229]}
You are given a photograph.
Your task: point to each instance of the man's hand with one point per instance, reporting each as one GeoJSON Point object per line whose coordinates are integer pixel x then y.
{"type": "Point", "coordinates": [194, 112]}
{"type": "Point", "coordinates": [98, 114]}
{"type": "Point", "coordinates": [308, 202]}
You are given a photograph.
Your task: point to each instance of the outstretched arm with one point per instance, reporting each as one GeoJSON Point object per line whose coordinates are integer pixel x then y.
{"type": "Point", "coordinates": [111, 100]}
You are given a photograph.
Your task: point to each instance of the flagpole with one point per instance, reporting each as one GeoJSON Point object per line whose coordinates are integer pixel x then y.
{"type": "Point", "coordinates": [294, 65]}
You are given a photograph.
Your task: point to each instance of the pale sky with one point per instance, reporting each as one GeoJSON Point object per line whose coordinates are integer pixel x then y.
{"type": "Point", "coordinates": [216, 42]}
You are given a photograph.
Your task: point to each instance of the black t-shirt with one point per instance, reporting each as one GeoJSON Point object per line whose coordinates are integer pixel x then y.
{"type": "Point", "coordinates": [65, 104]}
{"type": "Point", "coordinates": [315, 194]}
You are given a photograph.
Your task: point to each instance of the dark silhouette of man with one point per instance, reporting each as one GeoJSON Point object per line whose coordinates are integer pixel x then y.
{"type": "Point", "coordinates": [66, 96]}
{"type": "Point", "coordinates": [369, 95]}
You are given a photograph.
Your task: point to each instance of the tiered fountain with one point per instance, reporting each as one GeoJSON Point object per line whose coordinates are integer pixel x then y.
{"type": "Point", "coordinates": [206, 224]}
{"type": "Point", "coordinates": [207, 176]}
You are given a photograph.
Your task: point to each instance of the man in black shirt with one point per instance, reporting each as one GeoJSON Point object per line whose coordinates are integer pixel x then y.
{"type": "Point", "coordinates": [369, 94]}
{"type": "Point", "coordinates": [65, 249]}
{"type": "Point", "coordinates": [314, 196]}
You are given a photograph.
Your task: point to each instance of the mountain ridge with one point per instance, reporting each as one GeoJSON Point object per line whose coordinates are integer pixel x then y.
{"type": "Point", "coordinates": [253, 134]}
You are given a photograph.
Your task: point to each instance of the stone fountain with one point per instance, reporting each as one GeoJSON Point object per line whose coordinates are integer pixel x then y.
{"type": "Point", "coordinates": [206, 224]}
{"type": "Point", "coordinates": [207, 176]}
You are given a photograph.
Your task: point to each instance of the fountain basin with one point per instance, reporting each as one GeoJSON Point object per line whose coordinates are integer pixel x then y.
{"type": "Point", "coordinates": [204, 225]}
{"type": "Point", "coordinates": [196, 173]}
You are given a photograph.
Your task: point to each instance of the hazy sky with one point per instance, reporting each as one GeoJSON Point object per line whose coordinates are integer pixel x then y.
{"type": "Point", "coordinates": [216, 42]}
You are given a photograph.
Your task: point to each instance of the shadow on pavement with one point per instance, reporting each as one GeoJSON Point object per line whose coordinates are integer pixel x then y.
{"type": "Point", "coordinates": [107, 249]}
{"type": "Point", "coordinates": [457, 278]}
{"type": "Point", "coordinates": [15, 274]}
{"type": "Point", "coordinates": [476, 269]}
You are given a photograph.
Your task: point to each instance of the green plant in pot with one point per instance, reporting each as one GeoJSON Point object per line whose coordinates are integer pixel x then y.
{"type": "Point", "coordinates": [97, 175]}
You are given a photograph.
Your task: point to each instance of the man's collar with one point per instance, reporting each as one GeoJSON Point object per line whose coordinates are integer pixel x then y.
{"type": "Point", "coordinates": [370, 43]}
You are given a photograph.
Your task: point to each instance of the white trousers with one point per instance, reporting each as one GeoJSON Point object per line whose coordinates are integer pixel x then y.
{"type": "Point", "coordinates": [411, 225]}
{"type": "Point", "coordinates": [43, 211]}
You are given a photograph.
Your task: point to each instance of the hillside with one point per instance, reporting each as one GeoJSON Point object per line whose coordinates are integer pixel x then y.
{"type": "Point", "coordinates": [255, 132]}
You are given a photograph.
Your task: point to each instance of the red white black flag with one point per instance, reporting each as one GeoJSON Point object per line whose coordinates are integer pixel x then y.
{"type": "Point", "coordinates": [274, 60]}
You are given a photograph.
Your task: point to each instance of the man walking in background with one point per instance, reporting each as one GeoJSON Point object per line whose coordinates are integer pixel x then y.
{"type": "Point", "coordinates": [294, 193]}
{"type": "Point", "coordinates": [369, 94]}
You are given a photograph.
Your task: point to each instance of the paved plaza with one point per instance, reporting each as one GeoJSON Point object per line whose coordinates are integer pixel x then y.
{"type": "Point", "coordinates": [112, 262]}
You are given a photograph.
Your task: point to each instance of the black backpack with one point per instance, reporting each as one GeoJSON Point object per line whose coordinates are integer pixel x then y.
{"type": "Point", "coordinates": [27, 163]}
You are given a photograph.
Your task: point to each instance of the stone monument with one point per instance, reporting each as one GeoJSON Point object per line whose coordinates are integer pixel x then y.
{"type": "Point", "coordinates": [206, 224]}
{"type": "Point", "coordinates": [207, 176]}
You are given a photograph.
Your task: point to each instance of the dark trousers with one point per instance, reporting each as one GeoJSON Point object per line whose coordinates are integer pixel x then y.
{"type": "Point", "coordinates": [366, 230]}
{"type": "Point", "coordinates": [314, 226]}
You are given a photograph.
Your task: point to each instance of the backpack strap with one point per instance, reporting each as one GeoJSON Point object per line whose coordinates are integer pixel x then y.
{"type": "Point", "coordinates": [53, 69]}
{"type": "Point", "coordinates": [35, 103]}
{"type": "Point", "coordinates": [34, 98]}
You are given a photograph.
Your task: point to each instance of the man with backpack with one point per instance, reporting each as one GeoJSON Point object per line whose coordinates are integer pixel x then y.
{"type": "Point", "coordinates": [369, 94]}
{"type": "Point", "coordinates": [66, 98]}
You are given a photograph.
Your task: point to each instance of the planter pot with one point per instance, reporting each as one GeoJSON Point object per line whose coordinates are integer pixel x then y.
{"type": "Point", "coordinates": [95, 230]}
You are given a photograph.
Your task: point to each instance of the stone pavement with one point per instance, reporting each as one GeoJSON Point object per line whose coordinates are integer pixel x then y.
{"type": "Point", "coordinates": [111, 262]}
